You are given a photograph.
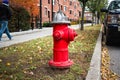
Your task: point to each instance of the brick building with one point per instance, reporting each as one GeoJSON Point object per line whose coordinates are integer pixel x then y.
{"type": "Point", "coordinates": [88, 16]}
{"type": "Point", "coordinates": [71, 8]}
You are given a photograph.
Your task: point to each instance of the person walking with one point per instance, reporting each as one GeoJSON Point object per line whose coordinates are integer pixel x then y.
{"type": "Point", "coordinates": [5, 15]}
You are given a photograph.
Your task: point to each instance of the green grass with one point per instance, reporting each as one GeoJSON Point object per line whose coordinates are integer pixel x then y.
{"type": "Point", "coordinates": [29, 60]}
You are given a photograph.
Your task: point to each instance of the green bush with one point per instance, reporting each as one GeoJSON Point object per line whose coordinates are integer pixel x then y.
{"type": "Point", "coordinates": [20, 19]}
{"type": "Point", "coordinates": [47, 24]}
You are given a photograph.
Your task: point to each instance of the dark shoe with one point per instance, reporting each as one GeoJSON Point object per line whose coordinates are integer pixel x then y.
{"type": "Point", "coordinates": [10, 38]}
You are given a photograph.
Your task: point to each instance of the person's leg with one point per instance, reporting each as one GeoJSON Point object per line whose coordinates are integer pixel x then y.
{"type": "Point", "coordinates": [8, 33]}
{"type": "Point", "coordinates": [7, 30]}
{"type": "Point", "coordinates": [2, 29]}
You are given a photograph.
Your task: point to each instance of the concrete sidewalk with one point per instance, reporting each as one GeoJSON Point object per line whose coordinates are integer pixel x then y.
{"type": "Point", "coordinates": [19, 37]}
{"type": "Point", "coordinates": [22, 32]}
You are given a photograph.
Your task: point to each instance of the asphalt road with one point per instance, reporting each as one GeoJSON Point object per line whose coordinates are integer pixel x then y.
{"type": "Point", "coordinates": [114, 52]}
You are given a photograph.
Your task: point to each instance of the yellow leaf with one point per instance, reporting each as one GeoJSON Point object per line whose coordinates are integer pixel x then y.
{"type": "Point", "coordinates": [0, 60]}
{"type": "Point", "coordinates": [8, 64]}
{"type": "Point", "coordinates": [30, 58]}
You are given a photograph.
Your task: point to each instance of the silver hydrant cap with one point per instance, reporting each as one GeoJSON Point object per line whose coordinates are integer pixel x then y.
{"type": "Point", "coordinates": [60, 17]}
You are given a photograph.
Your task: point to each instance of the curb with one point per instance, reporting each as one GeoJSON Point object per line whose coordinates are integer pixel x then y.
{"type": "Point", "coordinates": [94, 70]}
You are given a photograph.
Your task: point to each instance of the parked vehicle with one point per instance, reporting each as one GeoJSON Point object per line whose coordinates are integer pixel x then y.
{"type": "Point", "coordinates": [111, 23]}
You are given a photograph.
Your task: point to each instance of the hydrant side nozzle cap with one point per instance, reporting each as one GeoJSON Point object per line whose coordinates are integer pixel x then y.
{"type": "Point", "coordinates": [75, 34]}
{"type": "Point", "coordinates": [60, 17]}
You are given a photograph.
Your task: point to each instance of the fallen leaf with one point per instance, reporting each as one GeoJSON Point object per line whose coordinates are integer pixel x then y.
{"type": "Point", "coordinates": [0, 60]}
{"type": "Point", "coordinates": [8, 64]}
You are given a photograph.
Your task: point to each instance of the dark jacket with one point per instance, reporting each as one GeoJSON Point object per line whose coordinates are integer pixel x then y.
{"type": "Point", "coordinates": [5, 12]}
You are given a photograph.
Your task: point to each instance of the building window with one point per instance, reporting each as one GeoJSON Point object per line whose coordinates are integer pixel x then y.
{"type": "Point", "coordinates": [48, 14]}
{"type": "Point", "coordinates": [75, 14]}
{"type": "Point", "coordinates": [74, 6]}
{"type": "Point", "coordinates": [65, 8]}
{"type": "Point", "coordinates": [54, 2]}
{"type": "Point", "coordinates": [70, 11]}
{"type": "Point", "coordinates": [48, 1]}
{"type": "Point", "coordinates": [78, 4]}
{"type": "Point", "coordinates": [70, 2]}
{"type": "Point", "coordinates": [79, 14]}
{"type": "Point", "coordinates": [61, 7]}
{"type": "Point", "coordinates": [53, 14]}
{"type": "Point", "coordinates": [45, 11]}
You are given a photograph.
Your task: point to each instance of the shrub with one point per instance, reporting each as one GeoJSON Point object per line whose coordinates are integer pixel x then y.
{"type": "Point", "coordinates": [20, 19]}
{"type": "Point", "coordinates": [47, 24]}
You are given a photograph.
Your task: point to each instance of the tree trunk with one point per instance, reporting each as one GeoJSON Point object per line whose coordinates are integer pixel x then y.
{"type": "Point", "coordinates": [98, 16]}
{"type": "Point", "coordinates": [92, 19]}
{"type": "Point", "coordinates": [82, 20]}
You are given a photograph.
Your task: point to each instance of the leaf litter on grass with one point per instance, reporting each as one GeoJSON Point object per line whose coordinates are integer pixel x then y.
{"type": "Point", "coordinates": [29, 60]}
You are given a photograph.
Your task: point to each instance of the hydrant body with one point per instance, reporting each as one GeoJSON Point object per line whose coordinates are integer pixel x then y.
{"type": "Point", "coordinates": [62, 35]}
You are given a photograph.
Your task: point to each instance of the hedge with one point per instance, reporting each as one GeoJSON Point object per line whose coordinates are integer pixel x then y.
{"type": "Point", "coordinates": [20, 19]}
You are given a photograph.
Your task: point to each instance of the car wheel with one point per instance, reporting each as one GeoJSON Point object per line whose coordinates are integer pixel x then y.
{"type": "Point", "coordinates": [103, 36]}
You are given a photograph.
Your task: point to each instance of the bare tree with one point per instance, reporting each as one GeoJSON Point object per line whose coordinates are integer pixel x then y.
{"type": "Point", "coordinates": [83, 10]}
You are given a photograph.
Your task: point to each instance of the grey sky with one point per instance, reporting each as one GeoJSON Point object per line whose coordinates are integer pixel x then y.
{"type": "Point", "coordinates": [109, 0]}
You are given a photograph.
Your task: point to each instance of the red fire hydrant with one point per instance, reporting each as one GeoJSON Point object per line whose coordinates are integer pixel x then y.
{"type": "Point", "coordinates": [62, 35]}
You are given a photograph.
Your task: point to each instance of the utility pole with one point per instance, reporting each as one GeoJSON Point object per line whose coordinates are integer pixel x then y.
{"type": "Point", "coordinates": [40, 13]}
{"type": "Point", "coordinates": [52, 10]}
{"type": "Point", "coordinates": [59, 5]}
